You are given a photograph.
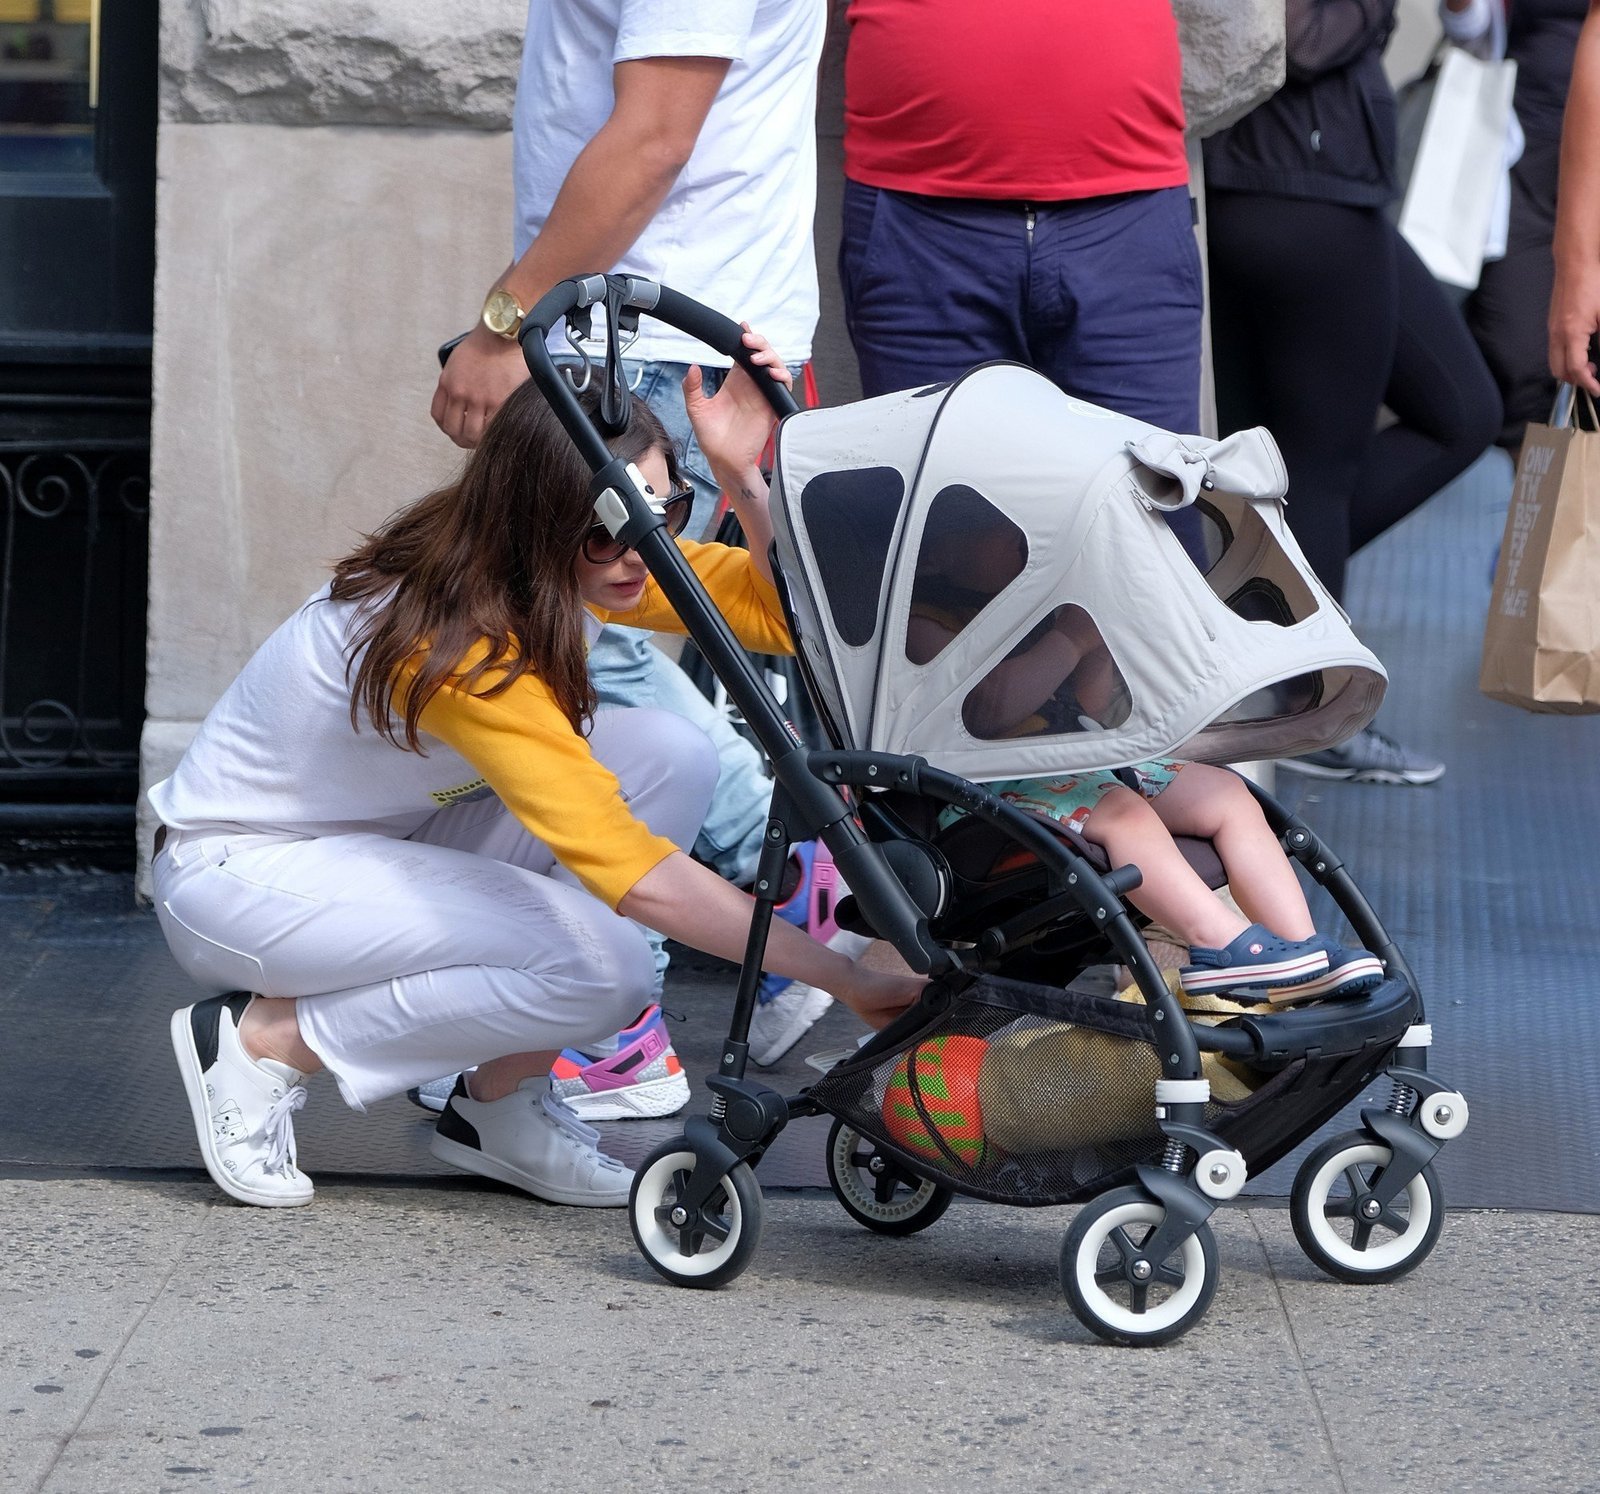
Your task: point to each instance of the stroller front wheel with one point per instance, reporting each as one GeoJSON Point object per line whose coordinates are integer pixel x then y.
{"type": "Point", "coordinates": [1117, 1292]}
{"type": "Point", "coordinates": [876, 1191]}
{"type": "Point", "coordinates": [703, 1247]}
{"type": "Point", "coordinates": [1348, 1233]}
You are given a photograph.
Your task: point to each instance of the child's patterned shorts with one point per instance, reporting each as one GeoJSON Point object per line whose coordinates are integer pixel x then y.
{"type": "Point", "coordinates": [1071, 797]}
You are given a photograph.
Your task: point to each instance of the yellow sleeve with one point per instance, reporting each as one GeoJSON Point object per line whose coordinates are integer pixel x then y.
{"type": "Point", "coordinates": [549, 778]}
{"type": "Point", "coordinates": [742, 594]}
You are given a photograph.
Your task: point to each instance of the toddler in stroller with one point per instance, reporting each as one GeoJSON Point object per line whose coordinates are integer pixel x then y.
{"type": "Point", "coordinates": [996, 1082]}
{"type": "Point", "coordinates": [1061, 675]}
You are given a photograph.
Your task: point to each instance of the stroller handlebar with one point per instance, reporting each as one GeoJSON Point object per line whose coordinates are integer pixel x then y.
{"type": "Point", "coordinates": [625, 298]}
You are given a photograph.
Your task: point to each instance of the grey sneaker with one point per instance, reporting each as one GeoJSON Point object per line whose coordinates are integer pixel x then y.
{"type": "Point", "coordinates": [433, 1095]}
{"type": "Point", "coordinates": [1368, 757]}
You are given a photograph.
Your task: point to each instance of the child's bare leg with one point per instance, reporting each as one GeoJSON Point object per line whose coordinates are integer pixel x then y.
{"type": "Point", "coordinates": [1214, 804]}
{"type": "Point", "coordinates": [1171, 893]}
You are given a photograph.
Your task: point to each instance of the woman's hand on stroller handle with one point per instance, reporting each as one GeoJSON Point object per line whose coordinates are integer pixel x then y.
{"type": "Point", "coordinates": [733, 427]}
{"type": "Point", "coordinates": [734, 424]}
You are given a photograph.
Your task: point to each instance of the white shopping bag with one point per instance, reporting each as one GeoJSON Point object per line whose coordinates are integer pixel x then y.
{"type": "Point", "coordinates": [1460, 163]}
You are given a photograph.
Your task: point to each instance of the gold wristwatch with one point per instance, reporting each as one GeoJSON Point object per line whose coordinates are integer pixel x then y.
{"type": "Point", "coordinates": [502, 315]}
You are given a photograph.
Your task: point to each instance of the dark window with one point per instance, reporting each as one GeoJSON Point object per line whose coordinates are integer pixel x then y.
{"type": "Point", "coordinates": [850, 518]}
{"type": "Point", "coordinates": [48, 85]}
{"type": "Point", "coordinates": [1291, 697]}
{"type": "Point", "coordinates": [1233, 549]}
{"type": "Point", "coordinates": [1059, 678]}
{"type": "Point", "coordinates": [970, 552]}
{"type": "Point", "coordinates": [1260, 600]}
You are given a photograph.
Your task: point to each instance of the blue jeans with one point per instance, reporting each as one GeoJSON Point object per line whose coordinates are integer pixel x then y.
{"type": "Point", "coordinates": [1102, 296]}
{"type": "Point", "coordinates": [628, 670]}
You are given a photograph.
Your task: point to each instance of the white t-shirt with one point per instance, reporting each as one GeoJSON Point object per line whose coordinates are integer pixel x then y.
{"type": "Point", "coordinates": [735, 230]}
{"type": "Point", "coordinates": [277, 753]}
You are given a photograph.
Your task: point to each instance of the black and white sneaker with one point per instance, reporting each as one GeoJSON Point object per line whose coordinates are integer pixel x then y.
{"type": "Point", "coordinates": [243, 1107]}
{"type": "Point", "coordinates": [1368, 757]}
{"type": "Point", "coordinates": [530, 1140]}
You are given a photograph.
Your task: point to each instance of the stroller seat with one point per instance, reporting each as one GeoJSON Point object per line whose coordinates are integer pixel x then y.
{"type": "Point", "coordinates": [979, 853]}
{"type": "Point", "coordinates": [992, 879]}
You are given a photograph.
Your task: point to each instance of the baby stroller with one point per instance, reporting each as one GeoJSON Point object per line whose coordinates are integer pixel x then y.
{"type": "Point", "coordinates": [1006, 1081]}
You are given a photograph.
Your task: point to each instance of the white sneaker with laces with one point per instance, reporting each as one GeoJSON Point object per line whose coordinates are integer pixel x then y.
{"type": "Point", "coordinates": [243, 1107]}
{"type": "Point", "coordinates": [780, 1023]}
{"type": "Point", "coordinates": [530, 1140]}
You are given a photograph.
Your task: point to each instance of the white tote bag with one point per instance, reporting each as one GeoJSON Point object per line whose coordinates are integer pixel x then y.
{"type": "Point", "coordinates": [1450, 201]}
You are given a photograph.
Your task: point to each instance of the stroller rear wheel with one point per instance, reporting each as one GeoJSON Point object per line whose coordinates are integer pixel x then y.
{"type": "Point", "coordinates": [875, 1190]}
{"type": "Point", "coordinates": [703, 1248]}
{"type": "Point", "coordinates": [1344, 1230]}
{"type": "Point", "coordinates": [1120, 1294]}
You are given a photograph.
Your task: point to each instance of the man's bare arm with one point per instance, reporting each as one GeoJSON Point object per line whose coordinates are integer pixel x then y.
{"type": "Point", "coordinates": [615, 187]}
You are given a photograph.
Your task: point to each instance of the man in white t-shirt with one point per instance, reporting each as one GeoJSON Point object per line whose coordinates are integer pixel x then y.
{"type": "Point", "coordinates": [678, 142]}
{"type": "Point", "coordinates": [666, 140]}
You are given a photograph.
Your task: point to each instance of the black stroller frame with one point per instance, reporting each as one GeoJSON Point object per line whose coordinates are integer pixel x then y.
{"type": "Point", "coordinates": [1139, 1263]}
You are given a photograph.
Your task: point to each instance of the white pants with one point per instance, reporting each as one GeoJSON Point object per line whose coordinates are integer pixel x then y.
{"type": "Point", "coordinates": [466, 942]}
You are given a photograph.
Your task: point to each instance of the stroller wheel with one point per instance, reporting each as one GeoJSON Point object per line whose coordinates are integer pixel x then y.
{"type": "Point", "coordinates": [707, 1248]}
{"type": "Point", "coordinates": [875, 1190]}
{"type": "Point", "coordinates": [1329, 1210]}
{"type": "Point", "coordinates": [1117, 1292]}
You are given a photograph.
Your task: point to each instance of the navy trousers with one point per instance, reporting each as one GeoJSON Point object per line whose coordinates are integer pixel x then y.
{"type": "Point", "coordinates": [1103, 296]}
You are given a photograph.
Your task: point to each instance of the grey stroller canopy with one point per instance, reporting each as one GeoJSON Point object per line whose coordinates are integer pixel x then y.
{"type": "Point", "coordinates": [1012, 583]}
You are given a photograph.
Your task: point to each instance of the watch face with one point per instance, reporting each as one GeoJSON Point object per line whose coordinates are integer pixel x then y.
{"type": "Point", "coordinates": [501, 313]}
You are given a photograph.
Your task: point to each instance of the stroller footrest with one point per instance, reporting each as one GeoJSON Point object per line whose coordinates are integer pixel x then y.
{"type": "Point", "coordinates": [1344, 1026]}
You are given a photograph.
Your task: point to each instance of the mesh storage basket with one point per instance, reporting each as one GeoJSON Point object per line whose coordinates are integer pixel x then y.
{"type": "Point", "coordinates": [1022, 1094]}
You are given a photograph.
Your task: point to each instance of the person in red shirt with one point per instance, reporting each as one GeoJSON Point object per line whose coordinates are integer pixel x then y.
{"type": "Point", "coordinates": [1016, 187]}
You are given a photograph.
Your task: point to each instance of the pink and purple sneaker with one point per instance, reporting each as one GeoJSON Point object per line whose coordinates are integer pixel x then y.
{"type": "Point", "coordinates": [643, 1079]}
{"type": "Point", "coordinates": [788, 1009]}
{"type": "Point", "coordinates": [810, 903]}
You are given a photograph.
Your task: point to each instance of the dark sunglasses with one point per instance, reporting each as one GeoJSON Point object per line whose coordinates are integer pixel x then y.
{"type": "Point", "coordinates": [600, 548]}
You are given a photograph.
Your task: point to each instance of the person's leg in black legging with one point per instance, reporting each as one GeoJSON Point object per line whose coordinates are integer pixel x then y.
{"type": "Point", "coordinates": [1444, 399]}
{"type": "Point", "coordinates": [1506, 313]}
{"type": "Point", "coordinates": [1303, 332]}
{"type": "Point", "coordinates": [1305, 317]}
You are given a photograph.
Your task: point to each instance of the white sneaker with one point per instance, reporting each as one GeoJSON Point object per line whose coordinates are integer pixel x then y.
{"type": "Point", "coordinates": [532, 1141]}
{"type": "Point", "coordinates": [824, 1062]}
{"type": "Point", "coordinates": [780, 1023]}
{"type": "Point", "coordinates": [243, 1107]}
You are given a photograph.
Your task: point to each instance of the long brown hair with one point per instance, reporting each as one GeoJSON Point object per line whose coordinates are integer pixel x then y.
{"type": "Point", "coordinates": [491, 558]}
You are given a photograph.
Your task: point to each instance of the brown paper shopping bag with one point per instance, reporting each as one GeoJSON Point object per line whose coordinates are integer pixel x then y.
{"type": "Point", "coordinates": [1541, 643]}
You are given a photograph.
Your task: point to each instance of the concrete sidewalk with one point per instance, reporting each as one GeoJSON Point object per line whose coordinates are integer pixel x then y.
{"type": "Point", "coordinates": [456, 1337]}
